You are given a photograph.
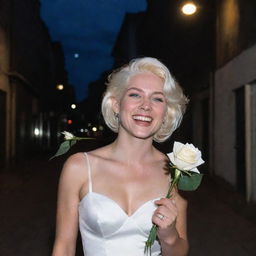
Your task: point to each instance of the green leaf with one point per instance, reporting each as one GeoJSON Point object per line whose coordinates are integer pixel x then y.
{"type": "Point", "coordinates": [64, 147]}
{"type": "Point", "coordinates": [190, 183]}
{"type": "Point", "coordinates": [72, 142]}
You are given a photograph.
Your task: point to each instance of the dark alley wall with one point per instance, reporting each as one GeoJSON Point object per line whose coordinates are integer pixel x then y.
{"type": "Point", "coordinates": [30, 67]}
{"type": "Point", "coordinates": [235, 28]}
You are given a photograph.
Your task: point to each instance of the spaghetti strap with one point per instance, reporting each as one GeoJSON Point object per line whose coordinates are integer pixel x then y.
{"type": "Point", "coordinates": [89, 172]}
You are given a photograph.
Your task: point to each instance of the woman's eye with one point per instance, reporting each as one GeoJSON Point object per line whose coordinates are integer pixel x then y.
{"type": "Point", "coordinates": [159, 99]}
{"type": "Point", "coordinates": [135, 95]}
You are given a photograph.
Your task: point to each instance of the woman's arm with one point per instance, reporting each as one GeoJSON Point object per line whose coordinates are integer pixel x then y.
{"type": "Point", "coordinates": [71, 180]}
{"type": "Point", "coordinates": [172, 229]}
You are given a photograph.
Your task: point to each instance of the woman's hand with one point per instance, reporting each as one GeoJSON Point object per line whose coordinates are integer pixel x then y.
{"type": "Point", "coordinates": [170, 217]}
{"type": "Point", "coordinates": [165, 218]}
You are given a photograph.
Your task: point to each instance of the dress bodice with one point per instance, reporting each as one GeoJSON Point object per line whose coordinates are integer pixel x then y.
{"type": "Point", "coordinates": [107, 230]}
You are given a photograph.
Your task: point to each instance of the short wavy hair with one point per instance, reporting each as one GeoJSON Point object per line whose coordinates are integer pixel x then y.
{"type": "Point", "coordinates": [118, 80]}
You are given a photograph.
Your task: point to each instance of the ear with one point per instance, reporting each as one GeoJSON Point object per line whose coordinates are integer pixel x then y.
{"type": "Point", "coordinates": [115, 105]}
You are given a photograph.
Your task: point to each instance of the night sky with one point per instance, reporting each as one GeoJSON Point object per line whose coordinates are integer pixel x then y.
{"type": "Point", "coordinates": [87, 30]}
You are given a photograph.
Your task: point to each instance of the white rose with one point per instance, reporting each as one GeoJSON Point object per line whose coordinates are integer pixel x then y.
{"type": "Point", "coordinates": [68, 135]}
{"type": "Point", "coordinates": [186, 157]}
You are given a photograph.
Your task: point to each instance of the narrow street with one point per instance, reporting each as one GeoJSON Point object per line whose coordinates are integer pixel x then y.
{"type": "Point", "coordinates": [219, 222]}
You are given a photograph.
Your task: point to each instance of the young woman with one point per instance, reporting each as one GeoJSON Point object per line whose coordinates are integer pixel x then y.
{"type": "Point", "coordinates": [116, 192]}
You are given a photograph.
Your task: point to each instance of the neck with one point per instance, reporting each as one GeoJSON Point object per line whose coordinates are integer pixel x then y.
{"type": "Point", "coordinates": [131, 149]}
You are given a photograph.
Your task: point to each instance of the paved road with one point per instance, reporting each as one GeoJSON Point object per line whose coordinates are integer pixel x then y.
{"type": "Point", "coordinates": [219, 223]}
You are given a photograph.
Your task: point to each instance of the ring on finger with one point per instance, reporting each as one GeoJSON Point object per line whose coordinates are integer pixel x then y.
{"type": "Point", "coordinates": [160, 216]}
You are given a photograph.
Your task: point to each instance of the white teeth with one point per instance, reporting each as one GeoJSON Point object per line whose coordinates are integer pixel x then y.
{"type": "Point", "coordinates": [143, 118]}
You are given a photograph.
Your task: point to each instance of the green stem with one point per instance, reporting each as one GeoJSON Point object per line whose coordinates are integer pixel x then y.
{"type": "Point", "coordinates": [174, 182]}
{"type": "Point", "coordinates": [81, 138]}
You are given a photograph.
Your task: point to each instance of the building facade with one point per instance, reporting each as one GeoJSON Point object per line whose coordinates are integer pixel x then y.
{"type": "Point", "coordinates": [29, 71]}
{"type": "Point", "coordinates": [234, 96]}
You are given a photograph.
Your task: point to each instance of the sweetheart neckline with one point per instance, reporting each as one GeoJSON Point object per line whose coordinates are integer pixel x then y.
{"type": "Point", "coordinates": [122, 210]}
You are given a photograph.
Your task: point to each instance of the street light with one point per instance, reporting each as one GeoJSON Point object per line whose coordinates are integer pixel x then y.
{"type": "Point", "coordinates": [36, 132]}
{"type": "Point", "coordinates": [60, 87]}
{"type": "Point", "coordinates": [189, 8]}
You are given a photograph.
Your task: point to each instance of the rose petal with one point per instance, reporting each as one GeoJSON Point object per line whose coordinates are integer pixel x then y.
{"type": "Point", "coordinates": [177, 146]}
{"type": "Point", "coordinates": [195, 170]}
{"type": "Point", "coordinates": [178, 156]}
{"type": "Point", "coordinates": [199, 162]}
{"type": "Point", "coordinates": [171, 157]}
{"type": "Point", "coordinates": [68, 135]}
{"type": "Point", "coordinates": [182, 165]}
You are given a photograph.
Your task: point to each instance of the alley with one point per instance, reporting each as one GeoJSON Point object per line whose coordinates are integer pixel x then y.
{"type": "Point", "coordinates": [217, 225]}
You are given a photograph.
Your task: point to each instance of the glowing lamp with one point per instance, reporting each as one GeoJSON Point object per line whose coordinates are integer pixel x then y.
{"type": "Point", "coordinates": [36, 132]}
{"type": "Point", "coordinates": [60, 87]}
{"type": "Point", "coordinates": [189, 8]}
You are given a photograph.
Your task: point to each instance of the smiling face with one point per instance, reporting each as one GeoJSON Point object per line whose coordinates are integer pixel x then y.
{"type": "Point", "coordinates": [142, 107]}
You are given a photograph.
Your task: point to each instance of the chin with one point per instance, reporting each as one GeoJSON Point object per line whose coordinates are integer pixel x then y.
{"type": "Point", "coordinates": [144, 136]}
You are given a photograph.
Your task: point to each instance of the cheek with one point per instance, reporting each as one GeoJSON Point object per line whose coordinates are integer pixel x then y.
{"type": "Point", "coordinates": [124, 109]}
{"type": "Point", "coordinates": [163, 111]}
{"type": "Point", "coordinates": [127, 104]}
{"type": "Point", "coordinates": [124, 106]}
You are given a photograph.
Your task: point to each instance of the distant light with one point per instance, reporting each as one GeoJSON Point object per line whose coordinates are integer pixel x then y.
{"type": "Point", "coordinates": [36, 131]}
{"type": "Point", "coordinates": [85, 130]}
{"type": "Point", "coordinates": [82, 130]}
{"type": "Point", "coordinates": [60, 87]}
{"type": "Point", "coordinates": [94, 129]}
{"type": "Point", "coordinates": [73, 106]}
{"type": "Point", "coordinates": [70, 121]}
{"type": "Point", "coordinates": [101, 128]}
{"type": "Point", "coordinates": [76, 55]}
{"type": "Point", "coordinates": [189, 8]}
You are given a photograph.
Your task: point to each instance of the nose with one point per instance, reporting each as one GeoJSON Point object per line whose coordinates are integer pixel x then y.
{"type": "Point", "coordinates": [145, 105]}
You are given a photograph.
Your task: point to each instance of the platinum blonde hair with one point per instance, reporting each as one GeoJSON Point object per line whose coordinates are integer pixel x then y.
{"type": "Point", "coordinates": [118, 81]}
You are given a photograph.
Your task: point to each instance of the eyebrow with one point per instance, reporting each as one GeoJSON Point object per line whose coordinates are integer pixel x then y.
{"type": "Point", "coordinates": [138, 89]}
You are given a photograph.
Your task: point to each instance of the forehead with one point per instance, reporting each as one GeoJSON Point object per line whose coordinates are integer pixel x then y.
{"type": "Point", "coordinates": [146, 80]}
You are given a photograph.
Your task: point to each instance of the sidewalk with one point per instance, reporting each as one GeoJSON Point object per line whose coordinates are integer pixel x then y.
{"type": "Point", "coordinates": [219, 222]}
{"type": "Point", "coordinates": [28, 205]}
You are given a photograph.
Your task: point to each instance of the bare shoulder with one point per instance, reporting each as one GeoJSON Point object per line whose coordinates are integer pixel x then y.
{"type": "Point", "coordinates": [160, 155]}
{"type": "Point", "coordinates": [75, 163]}
{"type": "Point", "coordinates": [74, 169]}
{"type": "Point", "coordinates": [102, 150]}
{"type": "Point", "coordinates": [102, 153]}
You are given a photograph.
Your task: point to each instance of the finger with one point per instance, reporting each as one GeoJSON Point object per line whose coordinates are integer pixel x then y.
{"type": "Point", "coordinates": [162, 201]}
{"type": "Point", "coordinates": [160, 220]}
{"type": "Point", "coordinates": [163, 221]}
{"type": "Point", "coordinates": [169, 203]}
{"type": "Point", "coordinates": [169, 210]}
{"type": "Point", "coordinates": [168, 213]}
{"type": "Point", "coordinates": [160, 216]}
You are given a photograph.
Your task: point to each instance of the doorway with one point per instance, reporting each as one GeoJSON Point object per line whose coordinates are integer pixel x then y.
{"type": "Point", "coordinates": [250, 141]}
{"type": "Point", "coordinates": [2, 128]}
{"type": "Point", "coordinates": [240, 140]}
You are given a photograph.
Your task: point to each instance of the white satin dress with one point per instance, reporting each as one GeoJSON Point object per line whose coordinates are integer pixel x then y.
{"type": "Point", "coordinates": [106, 230]}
